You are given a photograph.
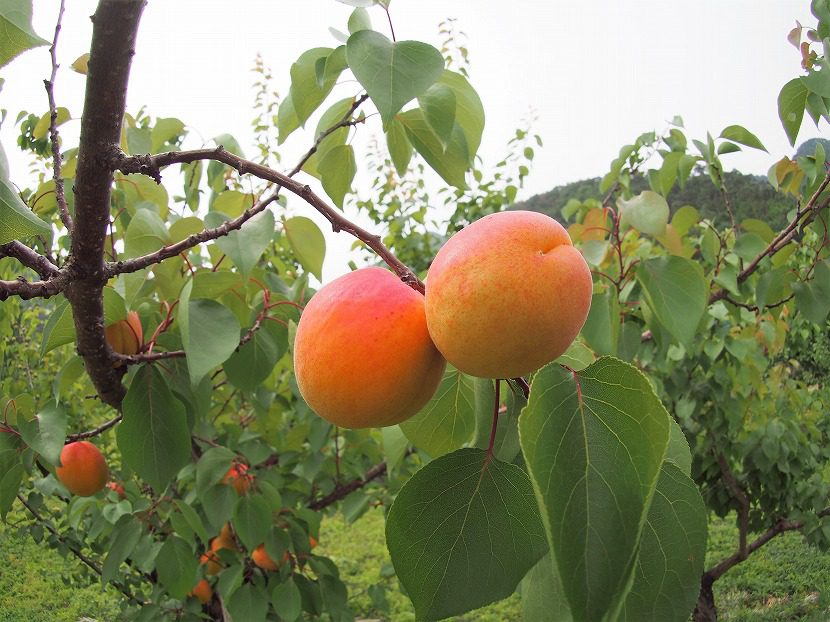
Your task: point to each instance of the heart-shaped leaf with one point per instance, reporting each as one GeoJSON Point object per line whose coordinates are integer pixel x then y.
{"type": "Point", "coordinates": [393, 74]}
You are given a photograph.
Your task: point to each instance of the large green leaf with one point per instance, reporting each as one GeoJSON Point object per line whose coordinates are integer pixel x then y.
{"type": "Point", "coordinates": [46, 432]}
{"type": "Point", "coordinates": [791, 102]}
{"type": "Point", "coordinates": [307, 242]}
{"type": "Point", "coordinates": [16, 34]}
{"type": "Point", "coordinates": [742, 135]}
{"type": "Point", "coordinates": [462, 533]}
{"type": "Point", "coordinates": [145, 234]}
{"type": "Point", "coordinates": [448, 420]}
{"type": "Point", "coordinates": [246, 245]}
{"type": "Point", "coordinates": [602, 327]}
{"type": "Point", "coordinates": [647, 212]}
{"type": "Point", "coordinates": [438, 107]}
{"type": "Point", "coordinates": [11, 471]}
{"type": "Point", "coordinates": [248, 603]}
{"type": "Point", "coordinates": [252, 520]}
{"type": "Point", "coordinates": [542, 595]}
{"type": "Point", "coordinates": [16, 219]}
{"type": "Point", "coordinates": [452, 162]}
{"type": "Point", "coordinates": [672, 551]}
{"type": "Point", "coordinates": [400, 149]}
{"type": "Point", "coordinates": [177, 566]}
{"type": "Point", "coordinates": [122, 543]}
{"type": "Point", "coordinates": [210, 333]}
{"type": "Point", "coordinates": [306, 93]}
{"type": "Point", "coordinates": [392, 73]}
{"type": "Point", "coordinates": [153, 436]}
{"type": "Point", "coordinates": [593, 442]}
{"type": "Point", "coordinates": [675, 289]}
{"type": "Point", "coordinates": [253, 362]}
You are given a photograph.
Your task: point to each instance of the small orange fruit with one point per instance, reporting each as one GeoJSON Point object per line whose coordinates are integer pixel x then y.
{"type": "Point", "coordinates": [83, 468]}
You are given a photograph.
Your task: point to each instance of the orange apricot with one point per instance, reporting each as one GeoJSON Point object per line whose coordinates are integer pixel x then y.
{"type": "Point", "coordinates": [83, 468]}
{"type": "Point", "coordinates": [362, 354]}
{"type": "Point", "coordinates": [202, 591]}
{"type": "Point", "coordinates": [125, 336]}
{"type": "Point", "coordinates": [507, 295]}
{"type": "Point", "coordinates": [238, 477]}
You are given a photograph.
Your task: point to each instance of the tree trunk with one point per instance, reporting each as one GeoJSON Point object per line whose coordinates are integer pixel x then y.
{"type": "Point", "coordinates": [705, 610]}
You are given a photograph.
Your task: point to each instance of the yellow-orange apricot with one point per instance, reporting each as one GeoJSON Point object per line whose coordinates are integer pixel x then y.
{"type": "Point", "coordinates": [83, 468]}
{"type": "Point", "coordinates": [362, 354]}
{"type": "Point", "coordinates": [262, 559]}
{"type": "Point", "coordinates": [507, 294]}
{"type": "Point", "coordinates": [125, 336]}
{"type": "Point", "coordinates": [202, 591]}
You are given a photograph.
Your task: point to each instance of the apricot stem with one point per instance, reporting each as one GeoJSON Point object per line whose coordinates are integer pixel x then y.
{"type": "Point", "coordinates": [495, 422]}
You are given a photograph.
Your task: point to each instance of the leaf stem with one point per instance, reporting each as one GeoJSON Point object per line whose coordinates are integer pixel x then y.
{"type": "Point", "coordinates": [493, 430]}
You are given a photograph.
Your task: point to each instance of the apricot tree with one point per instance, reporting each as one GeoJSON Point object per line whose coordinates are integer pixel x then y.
{"type": "Point", "coordinates": [572, 481]}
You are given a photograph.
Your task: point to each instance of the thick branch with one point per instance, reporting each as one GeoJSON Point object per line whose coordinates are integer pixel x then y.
{"type": "Point", "coordinates": [35, 289]}
{"type": "Point", "coordinates": [739, 494]}
{"type": "Point", "coordinates": [60, 196]}
{"type": "Point", "coordinates": [151, 165]}
{"type": "Point", "coordinates": [29, 258]}
{"type": "Point", "coordinates": [115, 26]}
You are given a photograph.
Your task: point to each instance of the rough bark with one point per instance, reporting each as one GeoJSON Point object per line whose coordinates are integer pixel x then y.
{"type": "Point", "coordinates": [115, 26]}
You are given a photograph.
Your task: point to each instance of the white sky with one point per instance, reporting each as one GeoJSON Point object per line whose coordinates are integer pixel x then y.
{"type": "Point", "coordinates": [596, 72]}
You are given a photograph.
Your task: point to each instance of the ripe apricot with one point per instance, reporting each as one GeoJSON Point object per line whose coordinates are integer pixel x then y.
{"type": "Point", "coordinates": [202, 591]}
{"type": "Point", "coordinates": [362, 354]}
{"type": "Point", "coordinates": [83, 468]}
{"type": "Point", "coordinates": [238, 477]}
{"type": "Point", "coordinates": [210, 557]}
{"type": "Point", "coordinates": [507, 294]}
{"type": "Point", "coordinates": [261, 559]}
{"type": "Point", "coordinates": [125, 336]}
{"type": "Point", "coordinates": [118, 489]}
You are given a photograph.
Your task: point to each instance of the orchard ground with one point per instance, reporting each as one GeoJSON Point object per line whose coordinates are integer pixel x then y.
{"type": "Point", "coordinates": [786, 580]}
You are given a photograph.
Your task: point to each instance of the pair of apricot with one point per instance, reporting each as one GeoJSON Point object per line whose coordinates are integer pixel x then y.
{"type": "Point", "coordinates": [504, 296]}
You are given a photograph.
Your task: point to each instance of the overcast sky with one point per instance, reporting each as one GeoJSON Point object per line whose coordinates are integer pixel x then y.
{"type": "Point", "coordinates": [597, 73]}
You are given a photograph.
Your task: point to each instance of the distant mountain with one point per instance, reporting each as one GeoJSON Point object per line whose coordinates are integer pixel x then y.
{"type": "Point", "coordinates": [751, 196]}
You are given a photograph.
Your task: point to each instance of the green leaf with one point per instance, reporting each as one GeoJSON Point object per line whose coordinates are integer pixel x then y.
{"type": "Point", "coordinates": [593, 442]}
{"type": "Point", "coordinates": [400, 149]}
{"type": "Point", "coordinates": [253, 362]}
{"type": "Point", "coordinates": [743, 136]}
{"type": "Point", "coordinates": [462, 533]}
{"type": "Point", "coordinates": [602, 327]}
{"type": "Point", "coordinates": [813, 298]}
{"type": "Point", "coordinates": [307, 242]}
{"type": "Point", "coordinates": [469, 111]}
{"type": "Point", "coordinates": [212, 467]}
{"type": "Point", "coordinates": [145, 234]}
{"type": "Point", "coordinates": [218, 502]}
{"type": "Point", "coordinates": [287, 120]}
{"type": "Point", "coordinates": [672, 551]}
{"type": "Point", "coordinates": [177, 565]}
{"type": "Point", "coordinates": [46, 432]}
{"type": "Point", "coordinates": [818, 82]}
{"type": "Point", "coordinates": [791, 102]}
{"type": "Point", "coordinates": [678, 450]}
{"type": "Point", "coordinates": [231, 203]}
{"type": "Point", "coordinates": [448, 420]}
{"type": "Point", "coordinates": [542, 595]}
{"type": "Point", "coordinates": [17, 221]}
{"type": "Point", "coordinates": [165, 131]}
{"type": "Point", "coordinates": [252, 520]}
{"type": "Point", "coordinates": [191, 517]}
{"type": "Point", "coordinates": [329, 119]}
{"type": "Point", "coordinates": [248, 603]}
{"type": "Point", "coordinates": [438, 108]}
{"type": "Point", "coordinates": [450, 163]}
{"type": "Point", "coordinates": [210, 333]}
{"type": "Point", "coordinates": [41, 130]}
{"type": "Point", "coordinates": [16, 34]}
{"type": "Point", "coordinates": [245, 246]}
{"type": "Point", "coordinates": [773, 286]}
{"type": "Point", "coordinates": [11, 472]}
{"type": "Point", "coordinates": [209, 284]}
{"type": "Point", "coordinates": [59, 328]}
{"type": "Point", "coordinates": [647, 212]}
{"type": "Point", "coordinates": [676, 290]}
{"type": "Point", "coordinates": [359, 20]}
{"type": "Point", "coordinates": [392, 73]}
{"type": "Point", "coordinates": [122, 544]}
{"type": "Point", "coordinates": [337, 169]}
{"type": "Point", "coordinates": [153, 436]}
{"type": "Point", "coordinates": [305, 93]}
{"type": "Point", "coordinates": [287, 601]}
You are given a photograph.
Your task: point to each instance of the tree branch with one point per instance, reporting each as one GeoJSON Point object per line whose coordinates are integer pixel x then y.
{"type": "Point", "coordinates": [95, 431]}
{"type": "Point", "coordinates": [32, 289]}
{"type": "Point", "coordinates": [60, 196]}
{"type": "Point", "coordinates": [29, 258]}
{"type": "Point", "coordinates": [151, 165]}
{"type": "Point", "coordinates": [114, 32]}
{"type": "Point", "coordinates": [343, 491]}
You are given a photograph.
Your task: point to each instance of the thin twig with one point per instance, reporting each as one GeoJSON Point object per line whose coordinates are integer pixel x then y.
{"type": "Point", "coordinates": [95, 431]}
{"type": "Point", "coordinates": [60, 195]}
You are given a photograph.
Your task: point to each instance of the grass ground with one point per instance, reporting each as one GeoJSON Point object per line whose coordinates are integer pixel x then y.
{"type": "Point", "coordinates": [784, 581]}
